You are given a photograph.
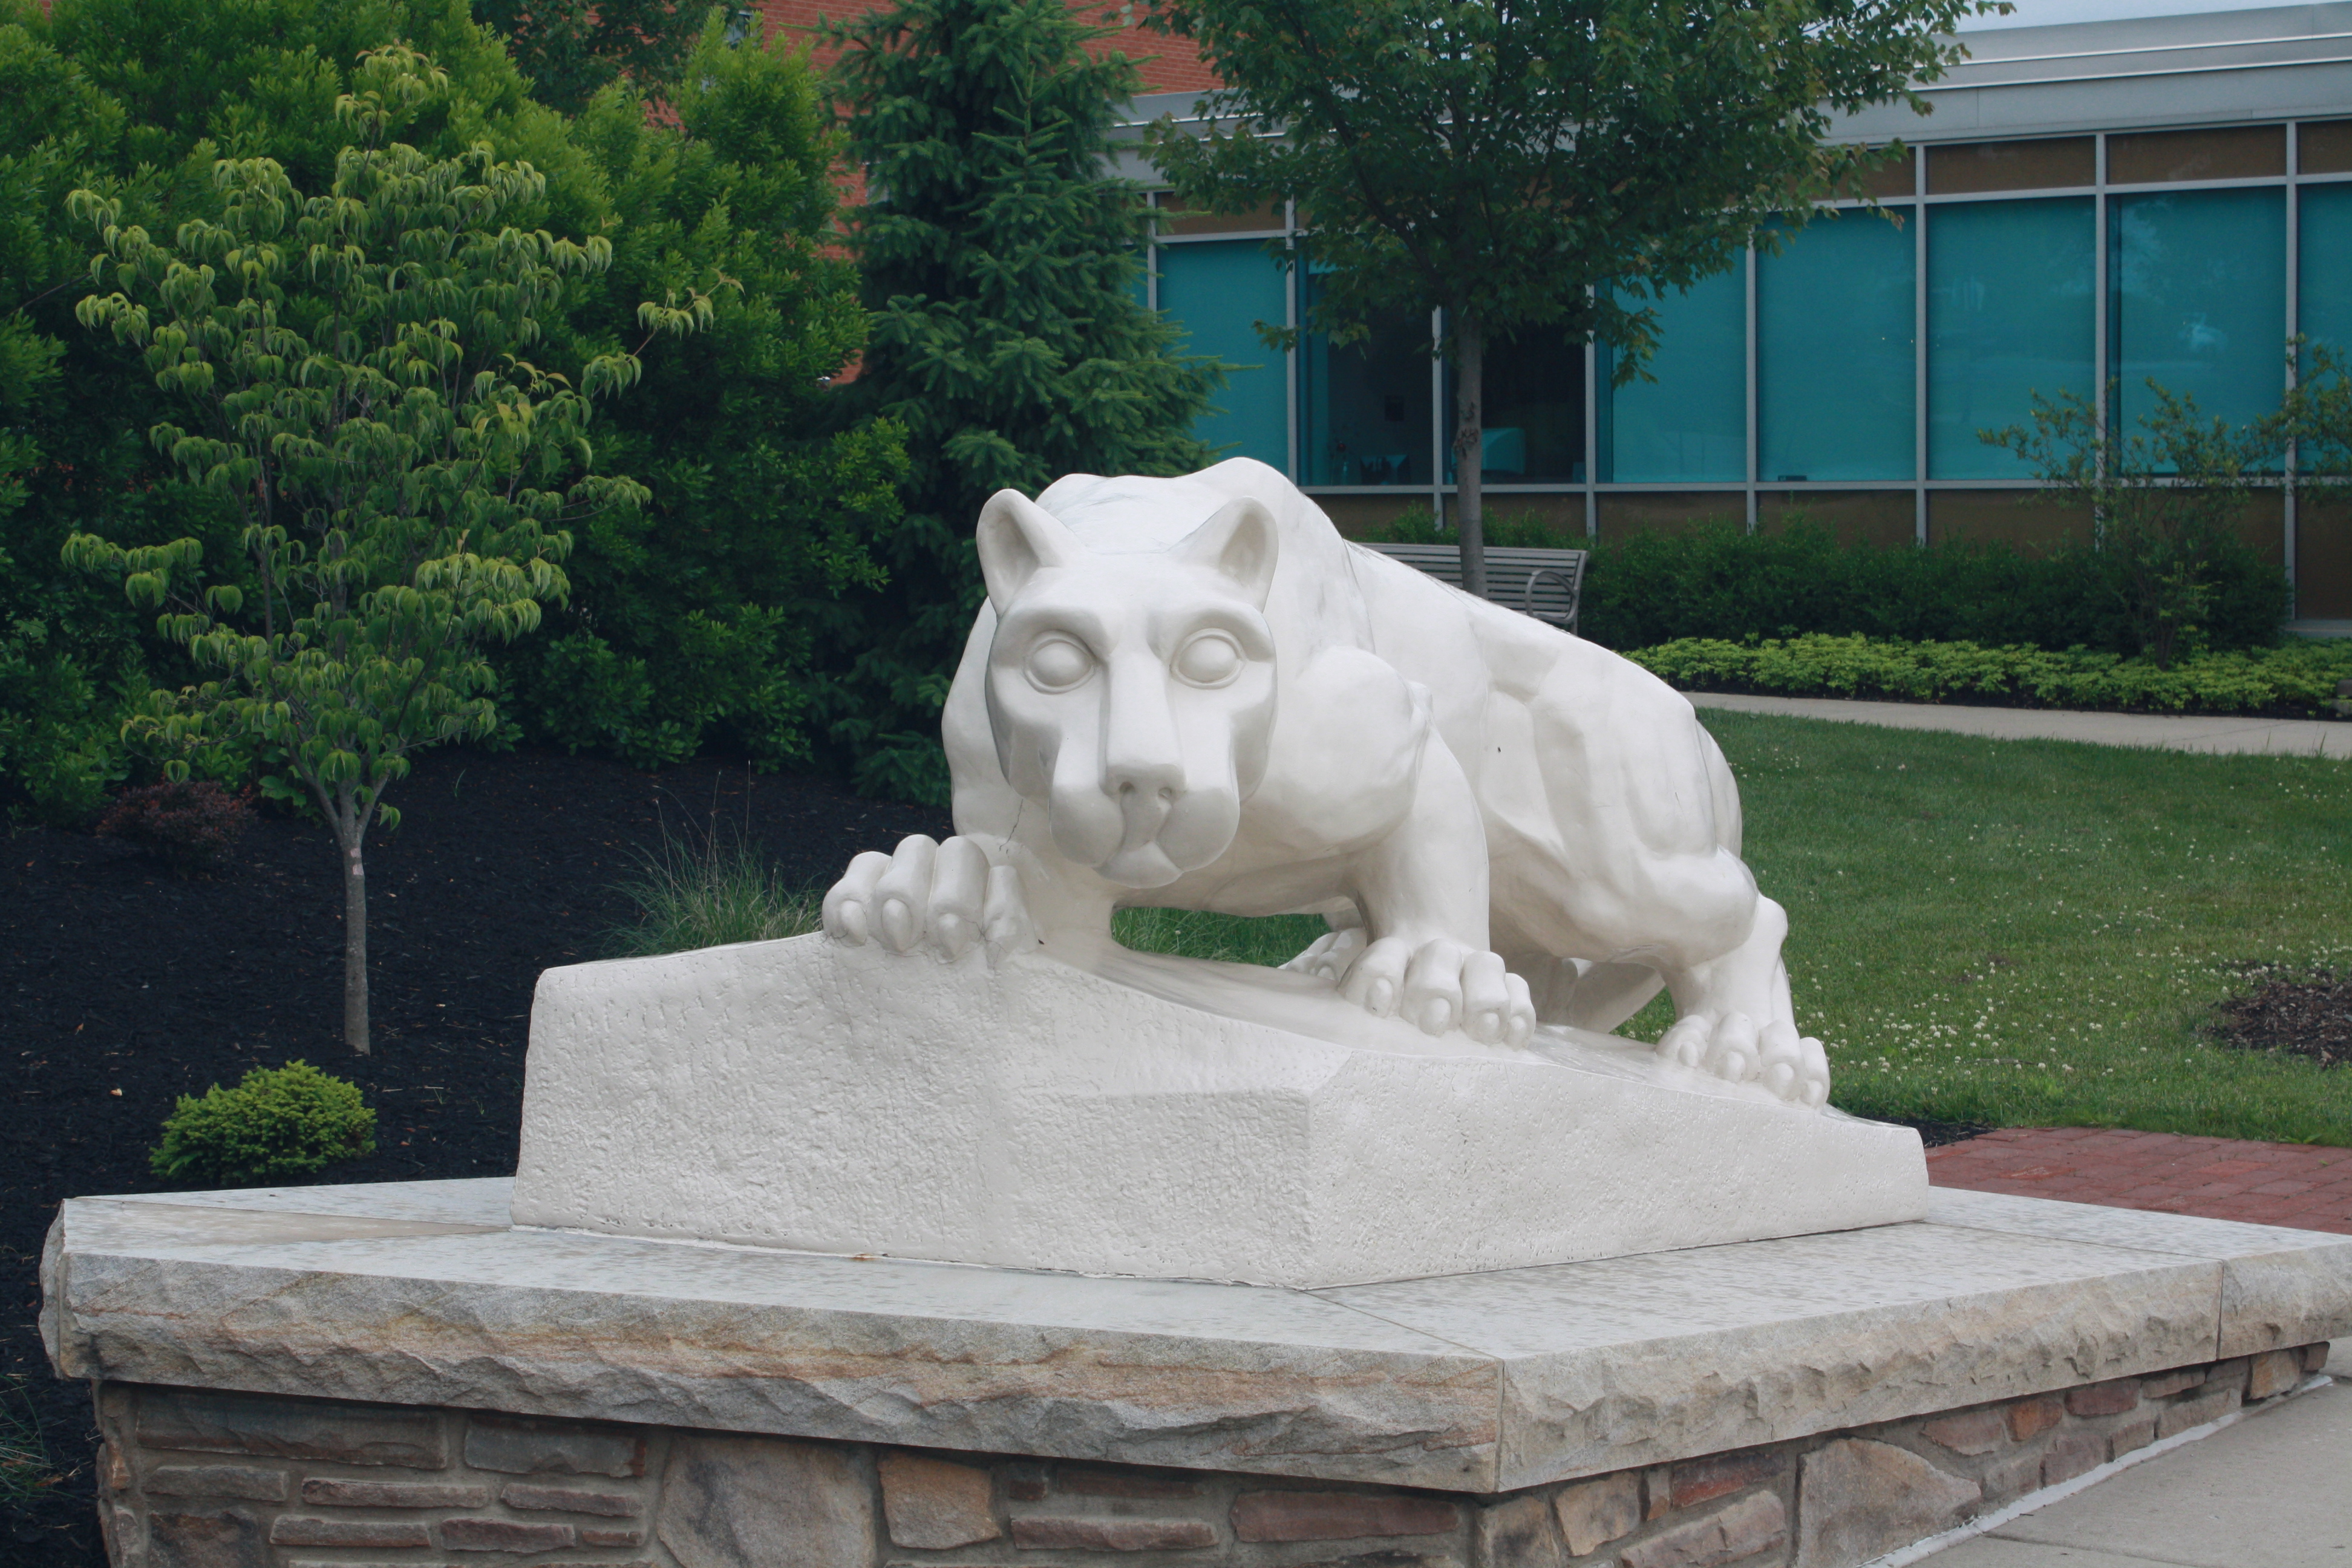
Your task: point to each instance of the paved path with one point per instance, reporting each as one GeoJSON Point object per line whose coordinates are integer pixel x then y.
{"type": "Point", "coordinates": [2305, 1186]}
{"type": "Point", "coordinates": [2301, 737]}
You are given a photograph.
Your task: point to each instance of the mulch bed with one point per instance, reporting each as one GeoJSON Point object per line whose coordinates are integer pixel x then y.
{"type": "Point", "coordinates": [2311, 1017]}
{"type": "Point", "coordinates": [121, 988]}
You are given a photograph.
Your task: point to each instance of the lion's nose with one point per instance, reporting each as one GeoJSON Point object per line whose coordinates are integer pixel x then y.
{"type": "Point", "coordinates": [1147, 779]}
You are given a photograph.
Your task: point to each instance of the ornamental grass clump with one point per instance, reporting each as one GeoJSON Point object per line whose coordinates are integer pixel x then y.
{"type": "Point", "coordinates": [279, 1121]}
{"type": "Point", "coordinates": [187, 823]}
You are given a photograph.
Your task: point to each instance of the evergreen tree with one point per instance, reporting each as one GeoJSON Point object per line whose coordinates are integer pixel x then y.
{"type": "Point", "coordinates": [1001, 266]}
{"type": "Point", "coordinates": [572, 48]}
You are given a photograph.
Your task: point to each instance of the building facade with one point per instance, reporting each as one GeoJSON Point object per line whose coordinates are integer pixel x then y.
{"type": "Point", "coordinates": [2089, 204]}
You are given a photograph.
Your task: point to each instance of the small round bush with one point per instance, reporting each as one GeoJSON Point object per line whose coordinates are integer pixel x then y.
{"type": "Point", "coordinates": [280, 1121]}
{"type": "Point", "coordinates": [189, 824]}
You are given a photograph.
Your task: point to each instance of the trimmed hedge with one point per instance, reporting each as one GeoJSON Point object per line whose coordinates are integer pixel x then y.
{"type": "Point", "coordinates": [2299, 679]}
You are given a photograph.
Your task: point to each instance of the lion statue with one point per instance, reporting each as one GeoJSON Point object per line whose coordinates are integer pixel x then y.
{"type": "Point", "coordinates": [1192, 693]}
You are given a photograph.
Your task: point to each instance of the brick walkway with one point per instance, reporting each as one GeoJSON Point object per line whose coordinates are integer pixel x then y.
{"type": "Point", "coordinates": [2222, 1178]}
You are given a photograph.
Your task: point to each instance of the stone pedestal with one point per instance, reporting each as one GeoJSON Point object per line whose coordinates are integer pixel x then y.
{"type": "Point", "coordinates": [392, 1374]}
{"type": "Point", "coordinates": [1110, 1112]}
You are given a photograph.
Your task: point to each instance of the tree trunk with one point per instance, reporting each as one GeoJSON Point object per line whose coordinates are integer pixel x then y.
{"type": "Point", "coordinates": [1470, 448]}
{"type": "Point", "coordinates": [355, 978]}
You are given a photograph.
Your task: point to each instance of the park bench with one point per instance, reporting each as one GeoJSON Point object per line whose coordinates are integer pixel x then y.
{"type": "Point", "coordinates": [1546, 584]}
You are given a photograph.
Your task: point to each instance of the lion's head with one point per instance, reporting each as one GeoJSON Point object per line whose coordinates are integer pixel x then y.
{"type": "Point", "coordinates": [1132, 694]}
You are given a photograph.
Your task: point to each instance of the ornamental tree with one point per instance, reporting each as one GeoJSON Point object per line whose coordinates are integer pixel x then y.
{"type": "Point", "coordinates": [1009, 340]}
{"type": "Point", "coordinates": [1525, 164]}
{"type": "Point", "coordinates": [571, 48]}
{"type": "Point", "coordinates": [351, 369]}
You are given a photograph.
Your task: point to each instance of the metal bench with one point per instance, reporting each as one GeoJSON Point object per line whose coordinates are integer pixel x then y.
{"type": "Point", "coordinates": [1546, 584]}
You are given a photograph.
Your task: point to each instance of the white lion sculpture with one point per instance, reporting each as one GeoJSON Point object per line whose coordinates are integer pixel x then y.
{"type": "Point", "coordinates": [1192, 693]}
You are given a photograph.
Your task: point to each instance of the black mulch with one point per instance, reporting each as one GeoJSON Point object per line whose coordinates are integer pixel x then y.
{"type": "Point", "coordinates": [121, 988]}
{"type": "Point", "coordinates": [2311, 1017]}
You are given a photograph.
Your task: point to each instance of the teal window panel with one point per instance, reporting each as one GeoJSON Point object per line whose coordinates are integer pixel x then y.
{"type": "Point", "coordinates": [2198, 297]}
{"type": "Point", "coordinates": [1836, 362]}
{"type": "Point", "coordinates": [2013, 311]}
{"type": "Point", "coordinates": [1218, 293]}
{"type": "Point", "coordinates": [2324, 291]}
{"type": "Point", "coordinates": [1690, 421]}
{"type": "Point", "coordinates": [1533, 405]}
{"type": "Point", "coordinates": [1364, 408]}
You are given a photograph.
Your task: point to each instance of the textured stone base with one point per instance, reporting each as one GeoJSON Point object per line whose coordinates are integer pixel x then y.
{"type": "Point", "coordinates": [234, 1481]}
{"type": "Point", "coordinates": [1158, 1117]}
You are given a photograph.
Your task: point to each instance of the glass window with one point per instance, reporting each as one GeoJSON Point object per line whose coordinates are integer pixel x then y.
{"type": "Point", "coordinates": [1365, 407]}
{"type": "Point", "coordinates": [1218, 293]}
{"type": "Point", "coordinates": [2171, 157]}
{"type": "Point", "coordinates": [2325, 239]}
{"type": "Point", "coordinates": [1690, 423]}
{"type": "Point", "coordinates": [2011, 310]}
{"type": "Point", "coordinates": [1836, 378]}
{"type": "Point", "coordinates": [2199, 301]}
{"type": "Point", "coordinates": [2323, 147]}
{"type": "Point", "coordinates": [2044, 165]}
{"type": "Point", "coordinates": [1534, 409]}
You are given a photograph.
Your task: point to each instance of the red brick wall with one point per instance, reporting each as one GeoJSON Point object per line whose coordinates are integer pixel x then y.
{"type": "Point", "coordinates": [1173, 66]}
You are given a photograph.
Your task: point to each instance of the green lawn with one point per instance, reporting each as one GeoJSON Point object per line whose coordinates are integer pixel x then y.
{"type": "Point", "coordinates": [2021, 933]}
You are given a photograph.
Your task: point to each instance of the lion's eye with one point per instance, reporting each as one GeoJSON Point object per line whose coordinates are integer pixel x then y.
{"type": "Point", "coordinates": [1056, 664]}
{"type": "Point", "coordinates": [1209, 659]}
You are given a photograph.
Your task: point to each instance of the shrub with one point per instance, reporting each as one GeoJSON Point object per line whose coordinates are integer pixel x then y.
{"type": "Point", "coordinates": [689, 898]}
{"type": "Point", "coordinates": [187, 825]}
{"type": "Point", "coordinates": [2301, 677]}
{"type": "Point", "coordinates": [281, 1122]}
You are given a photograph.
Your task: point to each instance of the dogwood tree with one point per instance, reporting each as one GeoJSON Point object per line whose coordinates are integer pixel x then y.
{"type": "Point", "coordinates": [1526, 163]}
{"type": "Point", "coordinates": [351, 364]}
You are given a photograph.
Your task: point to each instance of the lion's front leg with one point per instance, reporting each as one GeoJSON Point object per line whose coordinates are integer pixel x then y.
{"type": "Point", "coordinates": [1423, 953]}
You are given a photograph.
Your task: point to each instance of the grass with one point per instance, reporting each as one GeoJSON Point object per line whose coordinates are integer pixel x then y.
{"type": "Point", "coordinates": [709, 894]}
{"type": "Point", "coordinates": [26, 1473]}
{"type": "Point", "coordinates": [2025, 934]}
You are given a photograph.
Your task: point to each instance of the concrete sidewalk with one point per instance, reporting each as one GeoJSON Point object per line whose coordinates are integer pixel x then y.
{"type": "Point", "coordinates": [2274, 1490]}
{"type": "Point", "coordinates": [2299, 737]}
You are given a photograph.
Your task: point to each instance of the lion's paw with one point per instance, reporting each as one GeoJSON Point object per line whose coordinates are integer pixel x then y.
{"type": "Point", "coordinates": [944, 898]}
{"type": "Point", "coordinates": [1732, 1047]}
{"type": "Point", "coordinates": [1438, 985]}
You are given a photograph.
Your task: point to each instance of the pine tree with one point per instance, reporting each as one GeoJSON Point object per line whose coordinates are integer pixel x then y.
{"type": "Point", "coordinates": [1001, 266]}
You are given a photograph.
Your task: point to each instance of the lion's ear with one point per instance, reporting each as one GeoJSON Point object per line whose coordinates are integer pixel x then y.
{"type": "Point", "coordinates": [1017, 540]}
{"type": "Point", "coordinates": [1238, 544]}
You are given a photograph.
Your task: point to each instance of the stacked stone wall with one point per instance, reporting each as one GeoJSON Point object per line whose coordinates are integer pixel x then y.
{"type": "Point", "coordinates": [201, 1480]}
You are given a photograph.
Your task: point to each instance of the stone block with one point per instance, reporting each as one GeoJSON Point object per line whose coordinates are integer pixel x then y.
{"type": "Point", "coordinates": [2131, 1435]}
{"type": "Point", "coordinates": [1720, 1475]}
{"type": "Point", "coordinates": [114, 1470]}
{"type": "Point", "coordinates": [1595, 1512]}
{"type": "Point", "coordinates": [1521, 1531]}
{"type": "Point", "coordinates": [1759, 1522]}
{"type": "Point", "coordinates": [2195, 1410]}
{"type": "Point", "coordinates": [1858, 1500]}
{"type": "Point", "coordinates": [932, 1505]}
{"type": "Point", "coordinates": [249, 1483]}
{"type": "Point", "coordinates": [325, 1492]}
{"type": "Point", "coordinates": [569, 1500]}
{"type": "Point", "coordinates": [2230, 1374]}
{"type": "Point", "coordinates": [2272, 1372]}
{"type": "Point", "coordinates": [1147, 1115]}
{"type": "Point", "coordinates": [1969, 1432]}
{"type": "Point", "coordinates": [186, 1419]}
{"type": "Point", "coordinates": [504, 1535]}
{"type": "Point", "coordinates": [2031, 1417]}
{"type": "Point", "coordinates": [607, 1535]}
{"type": "Point", "coordinates": [1054, 1532]}
{"type": "Point", "coordinates": [2074, 1452]}
{"type": "Point", "coordinates": [520, 1445]}
{"type": "Point", "coordinates": [2165, 1384]}
{"type": "Point", "coordinates": [2110, 1398]}
{"type": "Point", "coordinates": [1086, 1481]}
{"type": "Point", "coordinates": [760, 1502]}
{"type": "Point", "coordinates": [1338, 1516]}
{"type": "Point", "coordinates": [2012, 1478]}
{"type": "Point", "coordinates": [2315, 1357]}
{"type": "Point", "coordinates": [229, 1537]}
{"type": "Point", "coordinates": [1027, 1480]}
{"type": "Point", "coordinates": [302, 1530]}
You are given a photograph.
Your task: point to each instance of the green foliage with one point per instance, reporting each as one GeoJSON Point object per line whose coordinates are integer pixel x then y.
{"type": "Point", "coordinates": [402, 489]}
{"type": "Point", "coordinates": [1525, 164]}
{"type": "Point", "coordinates": [1719, 581]}
{"type": "Point", "coordinates": [571, 49]}
{"type": "Point", "coordinates": [698, 612]}
{"type": "Point", "coordinates": [27, 1473]}
{"type": "Point", "coordinates": [278, 1122]}
{"type": "Point", "coordinates": [2166, 503]}
{"type": "Point", "coordinates": [1000, 263]}
{"type": "Point", "coordinates": [2318, 417]}
{"type": "Point", "coordinates": [1516, 531]}
{"type": "Point", "coordinates": [2300, 677]}
{"type": "Point", "coordinates": [708, 896]}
